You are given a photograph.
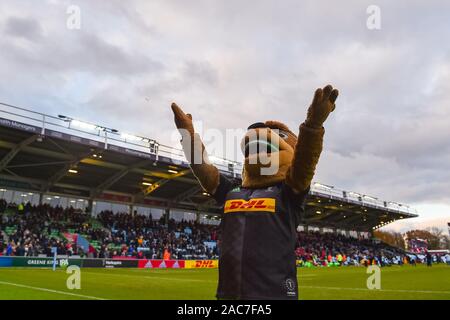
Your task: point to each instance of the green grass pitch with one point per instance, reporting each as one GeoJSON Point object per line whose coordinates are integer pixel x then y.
{"type": "Point", "coordinates": [405, 282]}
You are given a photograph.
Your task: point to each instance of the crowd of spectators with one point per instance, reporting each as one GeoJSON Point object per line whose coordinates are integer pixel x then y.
{"type": "Point", "coordinates": [329, 249]}
{"type": "Point", "coordinates": [143, 236]}
{"type": "Point", "coordinates": [34, 230]}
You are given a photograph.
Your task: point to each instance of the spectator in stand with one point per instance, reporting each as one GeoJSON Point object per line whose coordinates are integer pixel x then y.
{"type": "Point", "coordinates": [166, 254]}
{"type": "Point", "coordinates": [3, 205]}
{"type": "Point", "coordinates": [447, 258]}
{"type": "Point", "coordinates": [9, 249]}
{"type": "Point", "coordinates": [429, 259]}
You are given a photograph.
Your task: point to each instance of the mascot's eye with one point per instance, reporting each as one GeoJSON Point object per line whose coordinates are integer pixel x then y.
{"type": "Point", "coordinates": [283, 135]}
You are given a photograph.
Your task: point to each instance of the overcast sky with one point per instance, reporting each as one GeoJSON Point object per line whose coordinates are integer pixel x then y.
{"type": "Point", "coordinates": [231, 63]}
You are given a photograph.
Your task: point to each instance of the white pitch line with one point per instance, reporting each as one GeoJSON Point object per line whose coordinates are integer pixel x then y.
{"type": "Point", "coordinates": [50, 290]}
{"type": "Point", "coordinates": [376, 290]}
{"type": "Point", "coordinates": [149, 277]}
{"type": "Point", "coordinates": [164, 270]}
{"type": "Point", "coordinates": [179, 279]}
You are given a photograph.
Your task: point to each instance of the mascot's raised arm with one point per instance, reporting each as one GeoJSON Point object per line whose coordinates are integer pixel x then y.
{"type": "Point", "coordinates": [260, 216]}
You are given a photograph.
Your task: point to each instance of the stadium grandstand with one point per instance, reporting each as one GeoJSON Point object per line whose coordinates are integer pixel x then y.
{"type": "Point", "coordinates": [33, 230]}
{"type": "Point", "coordinates": [120, 191]}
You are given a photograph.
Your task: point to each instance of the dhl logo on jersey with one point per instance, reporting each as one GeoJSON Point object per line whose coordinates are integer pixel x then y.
{"type": "Point", "coordinates": [257, 204]}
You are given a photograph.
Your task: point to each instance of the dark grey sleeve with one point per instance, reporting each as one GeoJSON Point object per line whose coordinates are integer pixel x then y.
{"type": "Point", "coordinates": [225, 186]}
{"type": "Point", "coordinates": [297, 202]}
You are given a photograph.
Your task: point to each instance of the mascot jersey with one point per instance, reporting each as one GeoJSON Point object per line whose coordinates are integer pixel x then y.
{"type": "Point", "coordinates": [257, 224]}
{"type": "Point", "coordinates": [257, 247]}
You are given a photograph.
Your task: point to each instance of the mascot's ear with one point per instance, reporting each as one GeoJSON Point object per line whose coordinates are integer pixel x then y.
{"type": "Point", "coordinates": [257, 125]}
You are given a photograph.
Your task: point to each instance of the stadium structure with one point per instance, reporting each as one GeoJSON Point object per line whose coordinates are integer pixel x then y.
{"type": "Point", "coordinates": [57, 156]}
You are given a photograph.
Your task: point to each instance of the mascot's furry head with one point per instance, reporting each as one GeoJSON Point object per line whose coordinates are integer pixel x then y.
{"type": "Point", "coordinates": [273, 153]}
{"type": "Point", "coordinates": [267, 145]}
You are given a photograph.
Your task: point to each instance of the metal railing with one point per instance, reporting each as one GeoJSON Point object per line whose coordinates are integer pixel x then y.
{"type": "Point", "coordinates": [361, 199]}
{"type": "Point", "coordinates": [100, 133]}
{"type": "Point", "coordinates": [108, 136]}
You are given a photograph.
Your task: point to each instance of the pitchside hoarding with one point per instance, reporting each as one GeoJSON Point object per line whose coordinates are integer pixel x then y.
{"type": "Point", "coordinates": [170, 264]}
{"type": "Point", "coordinates": [114, 263]}
{"type": "Point", "coordinates": [108, 263]}
{"type": "Point", "coordinates": [201, 264]}
{"type": "Point", "coordinates": [40, 262]}
{"type": "Point", "coordinates": [92, 263]}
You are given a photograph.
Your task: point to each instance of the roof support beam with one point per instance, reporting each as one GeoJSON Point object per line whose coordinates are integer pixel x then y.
{"type": "Point", "coordinates": [55, 178]}
{"type": "Point", "coordinates": [355, 220]}
{"type": "Point", "coordinates": [188, 193]}
{"type": "Point", "coordinates": [81, 188]}
{"type": "Point", "coordinates": [162, 182]}
{"type": "Point", "coordinates": [37, 151]}
{"type": "Point", "coordinates": [41, 164]}
{"type": "Point", "coordinates": [325, 214]}
{"type": "Point", "coordinates": [210, 203]}
{"type": "Point", "coordinates": [14, 151]}
{"type": "Point", "coordinates": [39, 182]}
{"type": "Point", "coordinates": [337, 218]}
{"type": "Point", "coordinates": [145, 172]}
{"type": "Point", "coordinates": [95, 162]}
{"type": "Point", "coordinates": [116, 177]}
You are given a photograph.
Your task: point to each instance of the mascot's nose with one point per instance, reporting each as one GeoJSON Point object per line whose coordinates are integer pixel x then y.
{"type": "Point", "coordinates": [254, 143]}
{"type": "Point", "coordinates": [259, 146]}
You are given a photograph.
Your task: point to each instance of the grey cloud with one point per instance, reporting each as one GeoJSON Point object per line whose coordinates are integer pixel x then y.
{"type": "Point", "coordinates": [231, 63]}
{"type": "Point", "coordinates": [26, 28]}
{"type": "Point", "coordinates": [85, 53]}
{"type": "Point", "coordinates": [200, 72]}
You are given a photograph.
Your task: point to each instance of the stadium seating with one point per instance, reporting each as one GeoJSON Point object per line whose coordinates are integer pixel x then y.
{"type": "Point", "coordinates": [37, 229]}
{"type": "Point", "coordinates": [328, 249]}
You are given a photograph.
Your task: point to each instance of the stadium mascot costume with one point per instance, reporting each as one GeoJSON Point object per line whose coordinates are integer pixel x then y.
{"type": "Point", "coordinates": [260, 216]}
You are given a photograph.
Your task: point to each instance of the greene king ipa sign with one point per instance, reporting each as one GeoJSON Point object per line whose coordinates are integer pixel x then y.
{"type": "Point", "coordinates": [44, 262]}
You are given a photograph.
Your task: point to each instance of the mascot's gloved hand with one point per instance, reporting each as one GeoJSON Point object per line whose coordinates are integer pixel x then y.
{"type": "Point", "coordinates": [309, 145]}
{"type": "Point", "coordinates": [205, 172]}
{"type": "Point", "coordinates": [183, 121]}
{"type": "Point", "coordinates": [323, 104]}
